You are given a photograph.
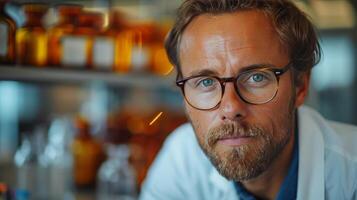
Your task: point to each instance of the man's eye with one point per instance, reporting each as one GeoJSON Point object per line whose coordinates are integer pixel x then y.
{"type": "Point", "coordinates": [206, 82]}
{"type": "Point", "coordinates": [257, 77]}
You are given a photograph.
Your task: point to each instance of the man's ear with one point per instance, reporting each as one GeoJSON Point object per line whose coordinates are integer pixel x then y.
{"type": "Point", "coordinates": [302, 89]}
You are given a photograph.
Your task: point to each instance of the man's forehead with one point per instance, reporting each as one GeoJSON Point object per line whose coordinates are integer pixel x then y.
{"type": "Point", "coordinates": [217, 29]}
{"type": "Point", "coordinates": [228, 32]}
{"type": "Point", "coordinates": [227, 43]}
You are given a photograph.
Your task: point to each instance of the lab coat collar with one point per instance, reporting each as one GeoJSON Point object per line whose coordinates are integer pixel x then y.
{"type": "Point", "coordinates": [225, 188]}
{"type": "Point", "coordinates": [311, 156]}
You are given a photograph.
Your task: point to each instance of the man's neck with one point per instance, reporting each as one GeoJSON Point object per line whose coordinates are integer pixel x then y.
{"type": "Point", "coordinates": [267, 185]}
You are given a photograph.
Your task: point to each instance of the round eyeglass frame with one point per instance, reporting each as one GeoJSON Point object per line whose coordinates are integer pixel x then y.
{"type": "Point", "coordinates": [222, 81]}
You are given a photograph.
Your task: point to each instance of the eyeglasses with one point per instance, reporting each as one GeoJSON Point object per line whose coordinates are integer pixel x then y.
{"type": "Point", "coordinates": [255, 86]}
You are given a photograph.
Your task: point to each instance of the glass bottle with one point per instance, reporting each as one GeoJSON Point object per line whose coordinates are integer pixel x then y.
{"type": "Point", "coordinates": [77, 47]}
{"type": "Point", "coordinates": [31, 38]}
{"type": "Point", "coordinates": [116, 30]}
{"type": "Point", "coordinates": [116, 177]}
{"type": "Point", "coordinates": [31, 173]}
{"type": "Point", "coordinates": [160, 63]}
{"type": "Point", "coordinates": [68, 17]}
{"type": "Point", "coordinates": [58, 159]}
{"type": "Point", "coordinates": [7, 35]}
{"type": "Point", "coordinates": [104, 43]}
{"type": "Point", "coordinates": [87, 155]}
{"type": "Point", "coordinates": [133, 49]}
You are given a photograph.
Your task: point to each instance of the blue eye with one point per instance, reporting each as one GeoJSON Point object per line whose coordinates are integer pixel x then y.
{"type": "Point", "coordinates": [207, 82]}
{"type": "Point", "coordinates": [258, 77]}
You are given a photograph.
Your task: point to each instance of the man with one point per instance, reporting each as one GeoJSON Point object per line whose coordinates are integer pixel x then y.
{"type": "Point", "coordinates": [244, 68]}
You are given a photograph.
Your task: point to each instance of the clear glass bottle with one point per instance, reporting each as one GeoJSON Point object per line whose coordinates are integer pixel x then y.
{"type": "Point", "coordinates": [58, 159]}
{"type": "Point", "coordinates": [116, 177]}
{"type": "Point", "coordinates": [32, 176]}
{"type": "Point", "coordinates": [7, 35]}
{"type": "Point", "coordinates": [68, 17]}
{"type": "Point", "coordinates": [31, 38]}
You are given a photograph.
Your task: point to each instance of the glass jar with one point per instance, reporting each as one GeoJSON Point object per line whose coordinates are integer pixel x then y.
{"type": "Point", "coordinates": [7, 35]}
{"type": "Point", "coordinates": [77, 47]}
{"type": "Point", "coordinates": [104, 48]}
{"type": "Point", "coordinates": [116, 25]}
{"type": "Point", "coordinates": [31, 38]}
{"type": "Point", "coordinates": [133, 49]}
{"type": "Point", "coordinates": [68, 17]}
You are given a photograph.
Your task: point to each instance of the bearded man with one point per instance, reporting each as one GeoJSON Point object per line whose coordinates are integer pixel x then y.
{"type": "Point", "coordinates": [243, 67]}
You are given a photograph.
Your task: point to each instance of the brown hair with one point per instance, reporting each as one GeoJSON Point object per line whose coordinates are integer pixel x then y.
{"type": "Point", "coordinates": [294, 29]}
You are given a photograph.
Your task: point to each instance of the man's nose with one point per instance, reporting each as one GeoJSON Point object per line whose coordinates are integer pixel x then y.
{"type": "Point", "coordinates": [232, 106]}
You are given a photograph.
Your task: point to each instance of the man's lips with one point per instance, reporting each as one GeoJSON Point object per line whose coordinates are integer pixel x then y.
{"type": "Point", "coordinates": [235, 141]}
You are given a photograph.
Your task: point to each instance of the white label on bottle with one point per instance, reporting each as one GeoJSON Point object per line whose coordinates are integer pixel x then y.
{"type": "Point", "coordinates": [103, 53]}
{"type": "Point", "coordinates": [74, 51]}
{"type": "Point", "coordinates": [4, 31]}
{"type": "Point", "coordinates": [140, 57]}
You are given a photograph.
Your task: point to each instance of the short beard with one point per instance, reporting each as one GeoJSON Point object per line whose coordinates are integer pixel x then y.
{"type": "Point", "coordinates": [246, 161]}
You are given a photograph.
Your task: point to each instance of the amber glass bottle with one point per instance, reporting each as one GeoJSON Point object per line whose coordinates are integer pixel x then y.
{"type": "Point", "coordinates": [7, 36]}
{"type": "Point", "coordinates": [139, 48]}
{"type": "Point", "coordinates": [31, 38]}
{"type": "Point", "coordinates": [88, 154]}
{"type": "Point", "coordinates": [159, 62]}
{"type": "Point", "coordinates": [117, 29]}
{"type": "Point", "coordinates": [104, 54]}
{"type": "Point", "coordinates": [68, 17]}
{"type": "Point", "coordinates": [133, 49]}
{"type": "Point", "coordinates": [77, 47]}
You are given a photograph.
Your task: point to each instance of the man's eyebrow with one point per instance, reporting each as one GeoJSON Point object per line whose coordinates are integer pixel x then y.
{"type": "Point", "coordinates": [256, 66]}
{"type": "Point", "coordinates": [210, 72]}
{"type": "Point", "coordinates": [203, 72]}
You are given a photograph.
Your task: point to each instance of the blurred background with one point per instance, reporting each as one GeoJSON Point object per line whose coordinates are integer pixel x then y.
{"type": "Point", "coordinates": [87, 95]}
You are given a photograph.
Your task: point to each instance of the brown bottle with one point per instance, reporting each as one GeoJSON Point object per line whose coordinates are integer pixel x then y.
{"type": "Point", "coordinates": [122, 41]}
{"type": "Point", "coordinates": [133, 49]}
{"type": "Point", "coordinates": [68, 17]}
{"type": "Point", "coordinates": [159, 62]}
{"type": "Point", "coordinates": [77, 47]}
{"type": "Point", "coordinates": [7, 36]}
{"type": "Point", "coordinates": [104, 46]}
{"type": "Point", "coordinates": [87, 155]}
{"type": "Point", "coordinates": [31, 38]}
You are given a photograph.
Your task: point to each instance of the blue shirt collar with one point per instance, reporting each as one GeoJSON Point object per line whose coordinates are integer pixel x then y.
{"type": "Point", "coordinates": [288, 189]}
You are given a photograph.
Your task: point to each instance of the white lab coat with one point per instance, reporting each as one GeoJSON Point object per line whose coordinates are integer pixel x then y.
{"type": "Point", "coordinates": [327, 165]}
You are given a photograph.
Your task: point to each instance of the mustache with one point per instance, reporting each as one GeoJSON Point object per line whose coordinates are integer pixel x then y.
{"type": "Point", "coordinates": [231, 130]}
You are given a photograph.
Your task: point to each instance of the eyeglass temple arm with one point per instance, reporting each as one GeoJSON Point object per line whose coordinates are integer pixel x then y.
{"type": "Point", "coordinates": [279, 72]}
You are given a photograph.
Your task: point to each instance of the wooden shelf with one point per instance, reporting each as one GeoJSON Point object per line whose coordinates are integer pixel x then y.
{"type": "Point", "coordinates": [69, 76]}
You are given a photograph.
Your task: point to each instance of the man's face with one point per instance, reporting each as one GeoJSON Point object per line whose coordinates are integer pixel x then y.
{"type": "Point", "coordinates": [241, 139]}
